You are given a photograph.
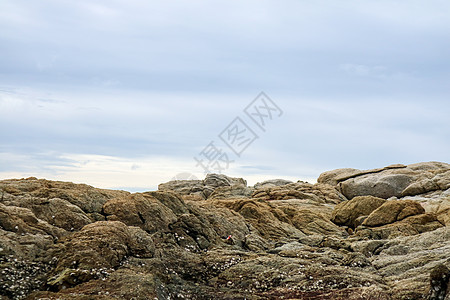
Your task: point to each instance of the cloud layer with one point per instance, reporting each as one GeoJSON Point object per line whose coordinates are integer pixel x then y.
{"type": "Point", "coordinates": [137, 89]}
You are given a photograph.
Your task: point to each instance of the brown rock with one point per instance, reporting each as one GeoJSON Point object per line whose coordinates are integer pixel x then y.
{"type": "Point", "coordinates": [97, 249]}
{"type": "Point", "coordinates": [392, 211]}
{"type": "Point", "coordinates": [182, 187]}
{"type": "Point", "coordinates": [310, 222]}
{"type": "Point", "coordinates": [443, 214]}
{"type": "Point", "coordinates": [225, 222]}
{"type": "Point", "coordinates": [316, 193]}
{"type": "Point", "coordinates": [162, 245]}
{"type": "Point", "coordinates": [271, 222]}
{"type": "Point", "coordinates": [142, 210]}
{"type": "Point", "coordinates": [335, 176]}
{"type": "Point", "coordinates": [86, 197]}
{"type": "Point", "coordinates": [202, 189]}
{"type": "Point", "coordinates": [122, 284]}
{"type": "Point", "coordinates": [55, 211]}
{"type": "Point", "coordinates": [423, 222]}
{"type": "Point", "coordinates": [22, 220]}
{"type": "Point", "coordinates": [409, 226]}
{"type": "Point", "coordinates": [219, 180]}
{"type": "Point", "coordinates": [347, 212]}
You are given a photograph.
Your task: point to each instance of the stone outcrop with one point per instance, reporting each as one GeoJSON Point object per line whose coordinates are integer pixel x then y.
{"type": "Point", "coordinates": [376, 234]}
{"type": "Point", "coordinates": [391, 181]}
{"type": "Point", "coordinates": [393, 211]}
{"type": "Point", "coordinates": [313, 193]}
{"type": "Point", "coordinates": [351, 213]}
{"type": "Point", "coordinates": [95, 250]}
{"type": "Point", "coordinates": [202, 189]}
{"type": "Point", "coordinates": [271, 183]}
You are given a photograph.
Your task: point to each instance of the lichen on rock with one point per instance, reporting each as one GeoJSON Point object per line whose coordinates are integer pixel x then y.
{"type": "Point", "coordinates": [356, 234]}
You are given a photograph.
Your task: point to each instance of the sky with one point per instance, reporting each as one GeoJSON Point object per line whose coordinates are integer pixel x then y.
{"type": "Point", "coordinates": [129, 94]}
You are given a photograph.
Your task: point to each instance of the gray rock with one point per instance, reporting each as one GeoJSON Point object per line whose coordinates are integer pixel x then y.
{"type": "Point", "coordinates": [183, 187]}
{"type": "Point", "coordinates": [391, 181]}
{"type": "Point", "coordinates": [219, 239]}
{"type": "Point", "coordinates": [292, 246]}
{"type": "Point", "coordinates": [230, 192]}
{"type": "Point", "coordinates": [407, 271]}
{"type": "Point", "coordinates": [202, 189]}
{"type": "Point", "coordinates": [314, 193]}
{"type": "Point", "coordinates": [379, 185]}
{"type": "Point", "coordinates": [271, 183]}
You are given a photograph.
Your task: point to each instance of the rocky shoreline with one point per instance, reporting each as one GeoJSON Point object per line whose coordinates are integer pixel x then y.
{"type": "Point", "coordinates": [373, 234]}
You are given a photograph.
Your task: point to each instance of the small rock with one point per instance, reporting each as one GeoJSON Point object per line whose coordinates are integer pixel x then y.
{"type": "Point", "coordinates": [439, 278]}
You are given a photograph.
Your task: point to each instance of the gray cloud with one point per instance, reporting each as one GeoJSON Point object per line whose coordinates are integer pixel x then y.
{"type": "Point", "coordinates": [362, 84]}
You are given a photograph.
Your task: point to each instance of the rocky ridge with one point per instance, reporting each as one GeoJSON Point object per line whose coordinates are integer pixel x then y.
{"type": "Point", "coordinates": [373, 234]}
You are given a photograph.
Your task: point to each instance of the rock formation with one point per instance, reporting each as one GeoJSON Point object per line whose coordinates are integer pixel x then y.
{"type": "Point", "coordinates": [374, 234]}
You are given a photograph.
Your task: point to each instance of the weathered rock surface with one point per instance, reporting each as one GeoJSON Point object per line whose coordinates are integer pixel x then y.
{"type": "Point", "coordinates": [391, 181]}
{"type": "Point", "coordinates": [95, 250]}
{"type": "Point", "coordinates": [377, 234]}
{"type": "Point", "coordinates": [393, 211]}
{"type": "Point", "coordinates": [202, 189]}
{"type": "Point", "coordinates": [271, 183]}
{"type": "Point", "coordinates": [348, 212]}
{"type": "Point", "coordinates": [89, 199]}
{"type": "Point", "coordinates": [406, 262]}
{"type": "Point", "coordinates": [313, 193]}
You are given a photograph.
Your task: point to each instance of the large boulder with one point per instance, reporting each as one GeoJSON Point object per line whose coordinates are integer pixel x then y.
{"type": "Point", "coordinates": [203, 189]}
{"type": "Point", "coordinates": [271, 222]}
{"type": "Point", "coordinates": [271, 183]}
{"type": "Point", "coordinates": [334, 177]}
{"type": "Point", "coordinates": [391, 181]}
{"type": "Point", "coordinates": [347, 212]}
{"type": "Point", "coordinates": [164, 212]}
{"type": "Point", "coordinates": [22, 221]}
{"type": "Point", "coordinates": [393, 211]}
{"type": "Point", "coordinates": [97, 249]}
{"type": "Point", "coordinates": [183, 187]}
{"type": "Point", "coordinates": [218, 180]}
{"type": "Point", "coordinates": [314, 193]}
{"type": "Point", "coordinates": [86, 197]}
{"type": "Point", "coordinates": [412, 225]}
{"type": "Point", "coordinates": [143, 210]}
{"type": "Point", "coordinates": [436, 202]}
{"type": "Point", "coordinates": [396, 218]}
{"type": "Point", "coordinates": [58, 212]}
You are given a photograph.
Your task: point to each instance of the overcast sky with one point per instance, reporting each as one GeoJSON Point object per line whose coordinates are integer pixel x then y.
{"type": "Point", "coordinates": [124, 94]}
